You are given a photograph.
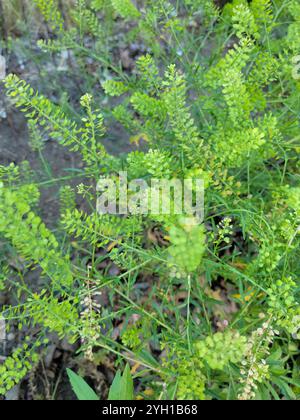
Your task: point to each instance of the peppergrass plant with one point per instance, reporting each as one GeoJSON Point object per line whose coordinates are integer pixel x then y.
{"type": "Point", "coordinates": [207, 310]}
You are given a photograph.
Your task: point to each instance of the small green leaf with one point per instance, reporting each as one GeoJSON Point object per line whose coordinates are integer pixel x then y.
{"type": "Point", "coordinates": [82, 390]}
{"type": "Point", "coordinates": [122, 386]}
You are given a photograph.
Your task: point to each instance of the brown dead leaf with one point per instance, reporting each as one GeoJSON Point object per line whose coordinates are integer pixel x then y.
{"type": "Point", "coordinates": [224, 310]}
{"type": "Point", "coordinates": [156, 236]}
{"type": "Point", "coordinates": [127, 62]}
{"type": "Point", "coordinates": [112, 246]}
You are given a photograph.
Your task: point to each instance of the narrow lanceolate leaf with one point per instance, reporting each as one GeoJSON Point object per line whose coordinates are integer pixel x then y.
{"type": "Point", "coordinates": [122, 386]}
{"type": "Point", "coordinates": [82, 390]}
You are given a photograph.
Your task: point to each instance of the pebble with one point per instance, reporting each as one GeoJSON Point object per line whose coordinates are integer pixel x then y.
{"type": "Point", "coordinates": [2, 330]}
{"type": "Point", "coordinates": [2, 67]}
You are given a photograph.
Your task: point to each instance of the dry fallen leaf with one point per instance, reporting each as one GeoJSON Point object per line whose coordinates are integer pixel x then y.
{"type": "Point", "coordinates": [155, 235]}
{"type": "Point", "coordinates": [126, 60]}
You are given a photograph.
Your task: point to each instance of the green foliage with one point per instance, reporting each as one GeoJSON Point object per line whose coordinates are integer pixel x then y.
{"type": "Point", "coordinates": [216, 351]}
{"type": "Point", "coordinates": [191, 381]}
{"type": "Point", "coordinates": [122, 386]}
{"type": "Point", "coordinates": [30, 236]}
{"type": "Point", "coordinates": [175, 102]}
{"type": "Point", "coordinates": [293, 29]}
{"type": "Point", "coordinates": [114, 88]}
{"type": "Point", "coordinates": [220, 349]}
{"type": "Point", "coordinates": [95, 228]}
{"type": "Point", "coordinates": [82, 390]}
{"type": "Point", "coordinates": [41, 111]}
{"type": "Point", "coordinates": [50, 11]}
{"type": "Point", "coordinates": [244, 22]}
{"type": "Point", "coordinates": [284, 305]}
{"type": "Point", "coordinates": [9, 173]}
{"type": "Point", "coordinates": [16, 367]}
{"type": "Point", "coordinates": [61, 315]}
{"type": "Point", "coordinates": [35, 137]}
{"type": "Point", "coordinates": [87, 20]}
{"type": "Point", "coordinates": [204, 310]}
{"type": "Point", "coordinates": [125, 8]}
{"type": "Point", "coordinates": [131, 337]}
{"type": "Point", "coordinates": [67, 198]}
{"type": "Point", "coordinates": [188, 246]}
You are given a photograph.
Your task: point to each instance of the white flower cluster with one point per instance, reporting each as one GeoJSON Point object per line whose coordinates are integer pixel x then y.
{"type": "Point", "coordinates": [91, 331]}
{"type": "Point", "coordinates": [255, 368]}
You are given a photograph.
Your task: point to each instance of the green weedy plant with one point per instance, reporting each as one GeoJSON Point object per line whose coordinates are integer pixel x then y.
{"type": "Point", "coordinates": [121, 388]}
{"type": "Point", "coordinates": [16, 367]}
{"type": "Point", "coordinates": [213, 98]}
